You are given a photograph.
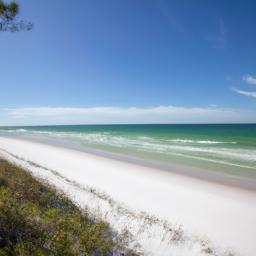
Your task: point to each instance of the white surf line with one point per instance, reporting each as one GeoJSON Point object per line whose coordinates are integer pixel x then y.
{"type": "Point", "coordinates": [204, 208]}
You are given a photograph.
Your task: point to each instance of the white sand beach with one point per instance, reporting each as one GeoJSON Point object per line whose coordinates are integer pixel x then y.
{"type": "Point", "coordinates": [224, 215]}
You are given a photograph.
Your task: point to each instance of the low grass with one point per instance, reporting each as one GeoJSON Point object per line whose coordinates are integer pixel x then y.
{"type": "Point", "coordinates": [36, 219]}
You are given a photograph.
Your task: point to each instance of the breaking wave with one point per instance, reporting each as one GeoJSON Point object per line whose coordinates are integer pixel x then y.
{"type": "Point", "coordinates": [220, 152]}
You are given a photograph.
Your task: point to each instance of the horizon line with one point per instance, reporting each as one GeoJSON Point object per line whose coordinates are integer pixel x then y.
{"type": "Point", "coordinates": [233, 123]}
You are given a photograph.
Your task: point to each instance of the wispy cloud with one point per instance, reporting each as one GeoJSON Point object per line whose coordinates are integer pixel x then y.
{"type": "Point", "coordinates": [219, 38]}
{"type": "Point", "coordinates": [245, 93]}
{"type": "Point", "coordinates": [114, 115]}
{"type": "Point", "coordinates": [171, 17]}
{"type": "Point", "coordinates": [223, 36]}
{"type": "Point", "coordinates": [249, 79]}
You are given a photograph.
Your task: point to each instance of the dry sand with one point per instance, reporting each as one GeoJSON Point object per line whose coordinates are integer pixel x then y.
{"type": "Point", "coordinates": [224, 214]}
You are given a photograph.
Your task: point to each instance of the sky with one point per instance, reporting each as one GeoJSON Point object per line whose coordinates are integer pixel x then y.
{"type": "Point", "coordinates": [147, 61]}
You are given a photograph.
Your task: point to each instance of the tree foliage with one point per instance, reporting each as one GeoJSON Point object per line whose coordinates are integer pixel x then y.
{"type": "Point", "coordinates": [8, 18]}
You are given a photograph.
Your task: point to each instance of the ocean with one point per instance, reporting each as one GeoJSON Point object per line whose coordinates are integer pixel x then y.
{"type": "Point", "coordinates": [227, 148]}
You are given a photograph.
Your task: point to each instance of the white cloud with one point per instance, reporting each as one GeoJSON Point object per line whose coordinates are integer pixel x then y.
{"type": "Point", "coordinates": [249, 79]}
{"type": "Point", "coordinates": [245, 93]}
{"type": "Point", "coordinates": [122, 115]}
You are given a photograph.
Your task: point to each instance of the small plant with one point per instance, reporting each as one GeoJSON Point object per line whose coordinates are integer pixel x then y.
{"type": "Point", "coordinates": [36, 219]}
{"type": "Point", "coordinates": [177, 235]}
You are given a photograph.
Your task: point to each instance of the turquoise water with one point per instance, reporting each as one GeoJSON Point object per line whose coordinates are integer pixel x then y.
{"type": "Point", "coordinates": [229, 147]}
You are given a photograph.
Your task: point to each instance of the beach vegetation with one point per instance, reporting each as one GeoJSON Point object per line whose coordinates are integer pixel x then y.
{"type": "Point", "coordinates": [36, 219]}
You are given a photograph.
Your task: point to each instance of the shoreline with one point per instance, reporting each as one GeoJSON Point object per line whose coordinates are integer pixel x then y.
{"type": "Point", "coordinates": [207, 175]}
{"type": "Point", "coordinates": [202, 207]}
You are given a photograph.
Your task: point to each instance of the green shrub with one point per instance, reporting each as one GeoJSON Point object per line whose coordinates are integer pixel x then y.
{"type": "Point", "coordinates": [35, 219]}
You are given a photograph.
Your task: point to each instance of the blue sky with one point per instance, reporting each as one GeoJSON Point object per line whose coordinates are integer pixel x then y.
{"type": "Point", "coordinates": [136, 58]}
